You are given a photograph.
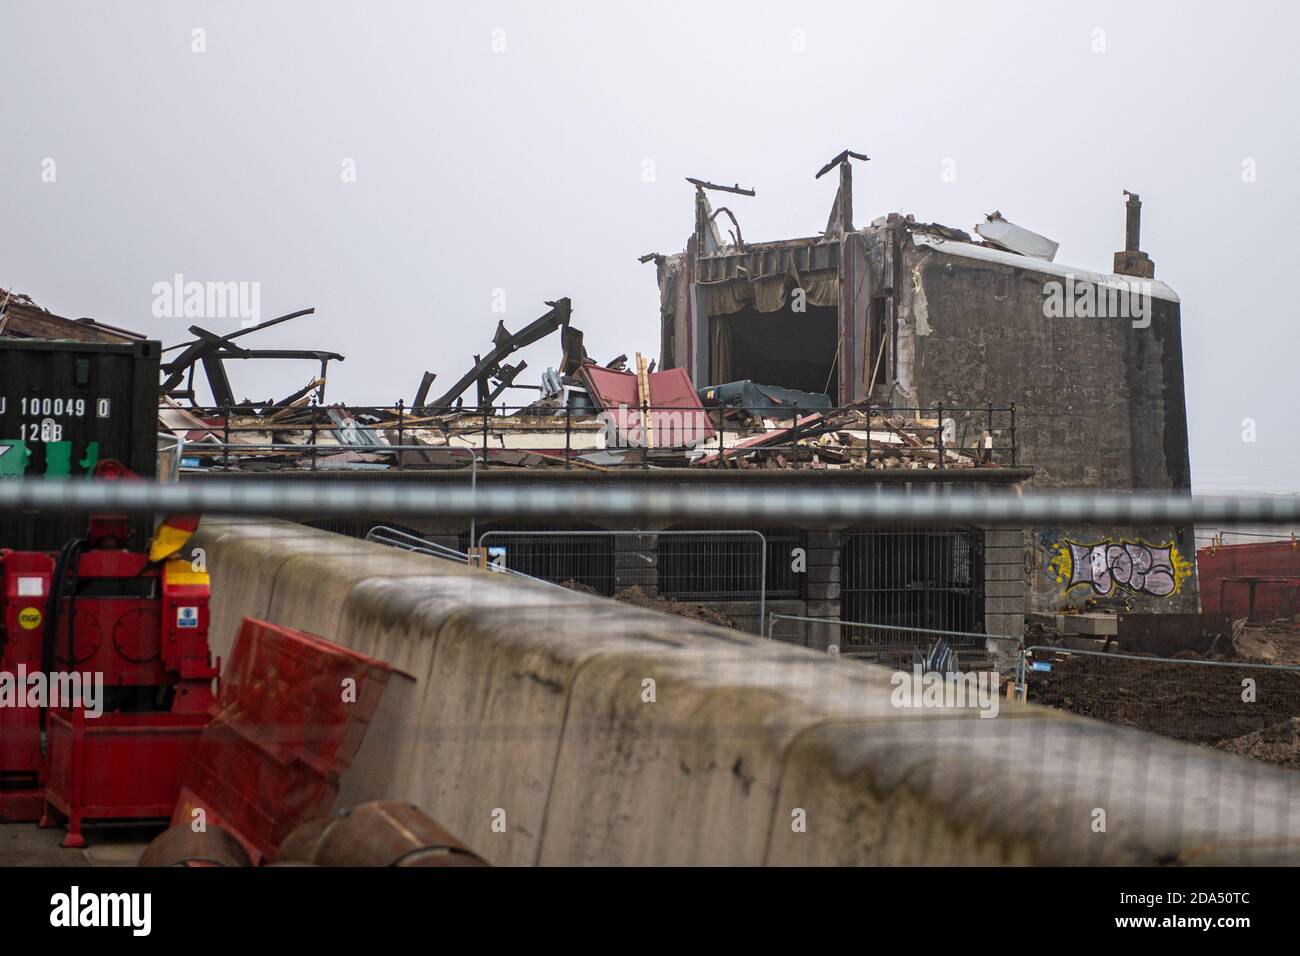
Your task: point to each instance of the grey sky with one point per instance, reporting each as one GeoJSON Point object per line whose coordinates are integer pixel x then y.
{"type": "Point", "coordinates": [522, 170]}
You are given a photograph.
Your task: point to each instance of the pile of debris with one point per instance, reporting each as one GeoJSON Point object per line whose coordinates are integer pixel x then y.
{"type": "Point", "coordinates": [857, 437]}
{"type": "Point", "coordinates": [1199, 704]}
{"type": "Point", "coordinates": [292, 435]}
{"type": "Point", "coordinates": [636, 596]}
{"type": "Point", "coordinates": [1279, 743]}
{"type": "Point", "coordinates": [585, 415]}
{"type": "Point", "coordinates": [549, 434]}
{"type": "Point", "coordinates": [21, 318]}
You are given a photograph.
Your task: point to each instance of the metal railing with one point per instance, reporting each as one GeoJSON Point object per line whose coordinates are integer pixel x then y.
{"type": "Point", "coordinates": [891, 645]}
{"type": "Point", "coordinates": [171, 449]}
{"type": "Point", "coordinates": [396, 538]}
{"type": "Point", "coordinates": [707, 565]}
{"type": "Point", "coordinates": [1219, 538]}
{"type": "Point", "coordinates": [1200, 701]}
{"type": "Point", "coordinates": [707, 436]}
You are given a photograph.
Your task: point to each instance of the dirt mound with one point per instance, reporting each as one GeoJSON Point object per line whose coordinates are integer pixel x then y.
{"type": "Point", "coordinates": [1275, 643]}
{"type": "Point", "coordinates": [1278, 744]}
{"type": "Point", "coordinates": [637, 597]}
{"type": "Point", "coordinates": [1199, 703]}
{"type": "Point", "coordinates": [692, 610]}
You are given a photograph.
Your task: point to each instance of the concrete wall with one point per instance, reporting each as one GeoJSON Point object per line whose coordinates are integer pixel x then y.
{"type": "Point", "coordinates": [1060, 579]}
{"type": "Point", "coordinates": [1004, 581]}
{"type": "Point", "coordinates": [1100, 404]}
{"type": "Point", "coordinates": [604, 734]}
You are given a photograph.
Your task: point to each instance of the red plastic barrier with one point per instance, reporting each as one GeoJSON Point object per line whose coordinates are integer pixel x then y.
{"type": "Point", "coordinates": [291, 715]}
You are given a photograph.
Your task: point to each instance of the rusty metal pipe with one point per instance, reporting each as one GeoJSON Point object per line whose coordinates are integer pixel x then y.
{"type": "Point", "coordinates": [378, 833]}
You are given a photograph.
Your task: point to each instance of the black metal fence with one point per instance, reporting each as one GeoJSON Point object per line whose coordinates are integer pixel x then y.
{"type": "Point", "coordinates": [722, 565]}
{"type": "Point", "coordinates": [928, 578]}
{"type": "Point", "coordinates": [399, 437]}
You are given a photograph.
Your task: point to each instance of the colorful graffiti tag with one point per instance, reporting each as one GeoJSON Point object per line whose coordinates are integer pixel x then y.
{"type": "Point", "coordinates": [1135, 566]}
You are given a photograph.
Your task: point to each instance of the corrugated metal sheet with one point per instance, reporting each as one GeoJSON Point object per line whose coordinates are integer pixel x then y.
{"type": "Point", "coordinates": [671, 392]}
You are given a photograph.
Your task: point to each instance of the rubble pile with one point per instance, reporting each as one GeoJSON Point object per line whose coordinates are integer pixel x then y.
{"type": "Point", "coordinates": [583, 415]}
{"type": "Point", "coordinates": [857, 437]}
{"type": "Point", "coordinates": [636, 596]}
{"type": "Point", "coordinates": [337, 436]}
{"type": "Point", "coordinates": [1279, 743]}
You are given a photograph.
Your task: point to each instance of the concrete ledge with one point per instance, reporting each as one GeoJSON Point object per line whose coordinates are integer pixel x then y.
{"type": "Point", "coordinates": [1029, 791]}
{"type": "Point", "coordinates": [528, 729]}
{"type": "Point", "coordinates": [497, 706]}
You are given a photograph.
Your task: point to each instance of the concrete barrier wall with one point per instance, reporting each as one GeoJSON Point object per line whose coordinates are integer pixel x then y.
{"type": "Point", "coordinates": [544, 726]}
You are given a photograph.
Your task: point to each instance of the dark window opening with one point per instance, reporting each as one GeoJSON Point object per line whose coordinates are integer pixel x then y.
{"type": "Point", "coordinates": [880, 365]}
{"type": "Point", "coordinates": [914, 578]}
{"type": "Point", "coordinates": [790, 349]}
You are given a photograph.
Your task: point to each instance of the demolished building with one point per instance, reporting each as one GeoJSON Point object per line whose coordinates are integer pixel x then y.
{"type": "Point", "coordinates": [904, 313]}
{"type": "Point", "coordinates": [902, 353]}
{"type": "Point", "coordinates": [21, 318]}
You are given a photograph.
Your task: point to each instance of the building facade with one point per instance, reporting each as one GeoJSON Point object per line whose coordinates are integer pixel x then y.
{"type": "Point", "coordinates": [906, 314]}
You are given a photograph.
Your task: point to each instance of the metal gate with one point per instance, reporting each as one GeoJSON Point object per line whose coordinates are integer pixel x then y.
{"type": "Point", "coordinates": [710, 565]}
{"type": "Point", "coordinates": [584, 559]}
{"type": "Point", "coordinates": [930, 578]}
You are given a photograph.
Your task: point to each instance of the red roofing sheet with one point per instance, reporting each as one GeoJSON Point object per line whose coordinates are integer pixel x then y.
{"type": "Point", "coordinates": [677, 418]}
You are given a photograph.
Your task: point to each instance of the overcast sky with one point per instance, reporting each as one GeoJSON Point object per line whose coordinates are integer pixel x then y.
{"type": "Point", "coordinates": [505, 146]}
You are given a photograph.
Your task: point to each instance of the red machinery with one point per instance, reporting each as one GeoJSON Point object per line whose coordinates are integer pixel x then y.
{"type": "Point", "coordinates": [105, 674]}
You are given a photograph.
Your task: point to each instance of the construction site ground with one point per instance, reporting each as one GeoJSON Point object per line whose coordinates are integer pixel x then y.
{"type": "Point", "coordinates": [1190, 702]}
{"type": "Point", "coordinates": [26, 844]}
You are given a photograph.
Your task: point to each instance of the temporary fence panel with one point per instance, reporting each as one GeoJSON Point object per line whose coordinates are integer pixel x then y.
{"type": "Point", "coordinates": [396, 538]}
{"type": "Point", "coordinates": [698, 565]}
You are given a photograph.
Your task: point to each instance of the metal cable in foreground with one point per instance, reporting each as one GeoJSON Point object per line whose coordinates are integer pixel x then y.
{"type": "Point", "coordinates": [644, 501]}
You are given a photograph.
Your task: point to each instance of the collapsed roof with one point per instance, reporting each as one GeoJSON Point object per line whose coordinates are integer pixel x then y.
{"type": "Point", "coordinates": [21, 318]}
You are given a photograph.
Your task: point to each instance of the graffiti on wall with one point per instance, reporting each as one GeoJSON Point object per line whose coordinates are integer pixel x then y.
{"type": "Point", "coordinates": [1132, 566]}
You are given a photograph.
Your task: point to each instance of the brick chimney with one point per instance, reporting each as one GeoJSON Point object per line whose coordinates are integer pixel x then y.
{"type": "Point", "coordinates": [1133, 261]}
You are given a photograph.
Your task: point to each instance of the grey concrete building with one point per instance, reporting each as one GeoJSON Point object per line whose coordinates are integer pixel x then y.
{"type": "Point", "coordinates": [909, 314]}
